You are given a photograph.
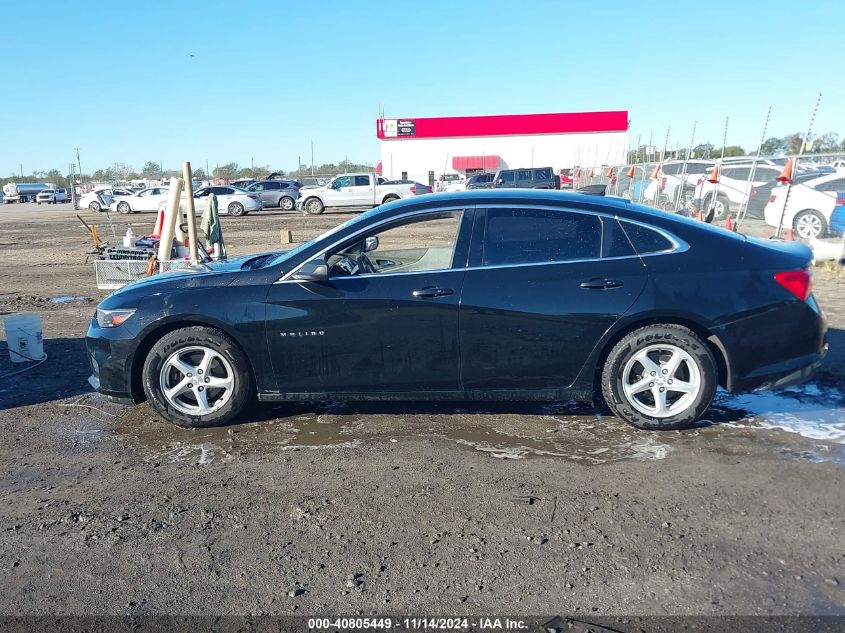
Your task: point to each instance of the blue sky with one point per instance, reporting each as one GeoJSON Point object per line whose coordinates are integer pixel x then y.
{"type": "Point", "coordinates": [267, 78]}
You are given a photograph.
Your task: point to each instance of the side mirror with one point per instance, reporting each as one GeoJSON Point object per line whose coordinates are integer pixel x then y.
{"type": "Point", "coordinates": [313, 270]}
{"type": "Point", "coordinates": [370, 244]}
{"type": "Point", "coordinates": [500, 181]}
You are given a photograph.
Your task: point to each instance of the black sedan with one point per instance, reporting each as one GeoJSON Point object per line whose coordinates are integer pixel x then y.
{"type": "Point", "coordinates": [481, 295]}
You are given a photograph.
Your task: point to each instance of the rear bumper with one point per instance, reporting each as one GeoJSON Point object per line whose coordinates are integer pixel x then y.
{"type": "Point", "coordinates": [792, 372]}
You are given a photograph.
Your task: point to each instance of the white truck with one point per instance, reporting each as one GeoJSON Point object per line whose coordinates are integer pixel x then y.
{"type": "Point", "coordinates": [352, 190]}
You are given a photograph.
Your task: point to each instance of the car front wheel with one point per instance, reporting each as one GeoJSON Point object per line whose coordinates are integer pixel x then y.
{"type": "Point", "coordinates": [314, 206]}
{"type": "Point", "coordinates": [197, 377]}
{"type": "Point", "coordinates": [660, 377]}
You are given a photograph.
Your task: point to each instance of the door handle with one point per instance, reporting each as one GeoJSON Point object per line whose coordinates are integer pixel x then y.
{"type": "Point", "coordinates": [432, 292]}
{"type": "Point", "coordinates": [601, 284]}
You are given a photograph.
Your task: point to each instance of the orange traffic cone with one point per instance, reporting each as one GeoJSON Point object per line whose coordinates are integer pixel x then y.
{"type": "Point", "coordinates": [729, 223]}
{"type": "Point", "coordinates": [159, 224]}
{"type": "Point", "coordinates": [655, 174]}
{"type": "Point", "coordinates": [786, 174]}
{"type": "Point", "coordinates": [789, 236]}
{"type": "Point", "coordinates": [611, 173]}
{"type": "Point", "coordinates": [714, 175]}
{"type": "Point", "coordinates": [632, 171]}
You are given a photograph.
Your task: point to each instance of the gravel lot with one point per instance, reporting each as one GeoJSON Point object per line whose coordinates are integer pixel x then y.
{"type": "Point", "coordinates": [412, 509]}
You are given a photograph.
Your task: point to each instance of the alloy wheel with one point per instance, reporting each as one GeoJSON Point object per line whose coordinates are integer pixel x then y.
{"type": "Point", "coordinates": [661, 381]}
{"type": "Point", "coordinates": [808, 225]}
{"type": "Point", "coordinates": [197, 380]}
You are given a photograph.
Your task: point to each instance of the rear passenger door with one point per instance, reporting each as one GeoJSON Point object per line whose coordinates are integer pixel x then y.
{"type": "Point", "coordinates": [539, 294]}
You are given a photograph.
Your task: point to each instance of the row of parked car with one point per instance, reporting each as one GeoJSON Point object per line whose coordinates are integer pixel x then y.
{"type": "Point", "coordinates": [742, 184]}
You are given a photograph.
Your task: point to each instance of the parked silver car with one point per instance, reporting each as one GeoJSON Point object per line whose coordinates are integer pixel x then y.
{"type": "Point", "coordinates": [277, 193]}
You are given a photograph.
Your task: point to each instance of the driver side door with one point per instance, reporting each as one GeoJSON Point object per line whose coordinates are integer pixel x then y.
{"type": "Point", "coordinates": [339, 193]}
{"type": "Point", "coordinates": [390, 326]}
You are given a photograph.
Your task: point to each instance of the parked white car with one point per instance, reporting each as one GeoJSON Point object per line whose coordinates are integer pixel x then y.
{"type": "Point", "coordinates": [810, 205]}
{"type": "Point", "coordinates": [664, 188]}
{"type": "Point", "coordinates": [144, 200]}
{"type": "Point", "coordinates": [230, 200]}
{"type": "Point", "coordinates": [90, 200]}
{"type": "Point", "coordinates": [734, 190]}
{"type": "Point", "coordinates": [52, 196]}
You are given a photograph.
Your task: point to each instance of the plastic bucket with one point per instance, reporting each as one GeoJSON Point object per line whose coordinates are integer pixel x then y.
{"type": "Point", "coordinates": [25, 337]}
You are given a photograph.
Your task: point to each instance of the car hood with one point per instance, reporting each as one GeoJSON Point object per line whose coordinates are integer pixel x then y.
{"type": "Point", "coordinates": [215, 274]}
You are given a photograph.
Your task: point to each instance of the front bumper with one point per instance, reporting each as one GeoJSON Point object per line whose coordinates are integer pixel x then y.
{"type": "Point", "coordinates": [111, 352]}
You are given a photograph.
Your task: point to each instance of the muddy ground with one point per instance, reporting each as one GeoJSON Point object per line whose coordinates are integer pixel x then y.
{"type": "Point", "coordinates": [417, 508]}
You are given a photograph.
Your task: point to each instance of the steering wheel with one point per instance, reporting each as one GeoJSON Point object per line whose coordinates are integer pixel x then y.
{"type": "Point", "coordinates": [345, 266]}
{"type": "Point", "coordinates": [365, 265]}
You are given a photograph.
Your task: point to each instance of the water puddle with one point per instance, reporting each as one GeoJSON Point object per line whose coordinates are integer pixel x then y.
{"type": "Point", "coordinates": [68, 299]}
{"type": "Point", "coordinates": [806, 423]}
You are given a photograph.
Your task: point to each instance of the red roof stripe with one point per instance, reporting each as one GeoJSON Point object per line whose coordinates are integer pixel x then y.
{"type": "Point", "coordinates": [514, 124]}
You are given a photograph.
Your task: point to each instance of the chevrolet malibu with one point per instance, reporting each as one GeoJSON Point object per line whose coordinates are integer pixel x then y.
{"type": "Point", "coordinates": [480, 295]}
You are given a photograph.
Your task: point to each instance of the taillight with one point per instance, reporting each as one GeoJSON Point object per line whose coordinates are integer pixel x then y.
{"type": "Point", "coordinates": [253, 197]}
{"type": "Point", "coordinates": [663, 183]}
{"type": "Point", "coordinates": [772, 198]}
{"type": "Point", "coordinates": [840, 199]}
{"type": "Point", "coordinates": [414, 189]}
{"type": "Point", "coordinates": [798, 282]}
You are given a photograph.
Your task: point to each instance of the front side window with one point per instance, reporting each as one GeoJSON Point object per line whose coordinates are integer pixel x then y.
{"type": "Point", "coordinates": [529, 236]}
{"type": "Point", "coordinates": [343, 181]}
{"type": "Point", "coordinates": [420, 244]}
{"type": "Point", "coordinates": [832, 185]}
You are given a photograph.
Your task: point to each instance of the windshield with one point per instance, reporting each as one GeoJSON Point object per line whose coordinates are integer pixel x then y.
{"type": "Point", "coordinates": [302, 247]}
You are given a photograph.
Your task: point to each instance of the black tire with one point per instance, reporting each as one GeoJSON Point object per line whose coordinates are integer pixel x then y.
{"type": "Point", "coordinates": [186, 338]}
{"type": "Point", "coordinates": [314, 206]}
{"type": "Point", "coordinates": [235, 208]}
{"type": "Point", "coordinates": [286, 203]}
{"type": "Point", "coordinates": [123, 207]}
{"type": "Point", "coordinates": [719, 209]}
{"type": "Point", "coordinates": [805, 221]}
{"type": "Point", "coordinates": [667, 336]}
{"type": "Point", "coordinates": [94, 206]}
{"type": "Point", "coordinates": [389, 198]}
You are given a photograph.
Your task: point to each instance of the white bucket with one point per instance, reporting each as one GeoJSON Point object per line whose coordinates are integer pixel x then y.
{"type": "Point", "coordinates": [25, 337]}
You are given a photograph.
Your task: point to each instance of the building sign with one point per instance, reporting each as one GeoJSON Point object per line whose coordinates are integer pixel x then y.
{"type": "Point", "coordinates": [406, 127]}
{"type": "Point", "coordinates": [392, 128]}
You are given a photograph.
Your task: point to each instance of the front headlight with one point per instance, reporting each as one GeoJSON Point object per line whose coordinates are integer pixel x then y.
{"type": "Point", "coordinates": [112, 318]}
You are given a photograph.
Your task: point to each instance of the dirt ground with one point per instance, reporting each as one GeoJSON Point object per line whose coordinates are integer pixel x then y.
{"type": "Point", "coordinates": [405, 509]}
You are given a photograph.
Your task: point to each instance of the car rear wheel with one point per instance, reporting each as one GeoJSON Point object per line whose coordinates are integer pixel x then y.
{"type": "Point", "coordinates": [197, 377]}
{"type": "Point", "coordinates": [235, 208]}
{"type": "Point", "coordinates": [123, 207]}
{"type": "Point", "coordinates": [314, 206]}
{"type": "Point", "coordinates": [286, 203]}
{"type": "Point", "coordinates": [660, 377]}
{"type": "Point", "coordinates": [720, 207]}
{"type": "Point", "coordinates": [809, 223]}
{"type": "Point", "coordinates": [389, 198]}
{"type": "Point", "coordinates": [94, 206]}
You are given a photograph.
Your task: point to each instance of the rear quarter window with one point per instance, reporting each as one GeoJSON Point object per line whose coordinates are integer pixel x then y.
{"type": "Point", "coordinates": [646, 240]}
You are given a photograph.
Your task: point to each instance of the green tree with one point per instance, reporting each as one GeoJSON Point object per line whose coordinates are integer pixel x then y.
{"type": "Point", "coordinates": [734, 150]}
{"type": "Point", "coordinates": [773, 145]}
{"type": "Point", "coordinates": [151, 169]}
{"type": "Point", "coordinates": [703, 150]}
{"type": "Point", "coordinates": [229, 170]}
{"type": "Point", "coordinates": [199, 173]}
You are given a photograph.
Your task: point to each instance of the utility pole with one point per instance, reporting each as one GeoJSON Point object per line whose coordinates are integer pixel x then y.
{"type": "Point", "coordinates": [78, 162]}
{"type": "Point", "coordinates": [312, 158]}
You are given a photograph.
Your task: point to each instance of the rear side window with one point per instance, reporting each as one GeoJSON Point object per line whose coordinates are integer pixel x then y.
{"type": "Point", "coordinates": [530, 236]}
{"type": "Point", "coordinates": [507, 176]}
{"type": "Point", "coordinates": [646, 240]}
{"type": "Point", "coordinates": [542, 174]}
{"type": "Point", "coordinates": [614, 241]}
{"type": "Point", "coordinates": [362, 181]}
{"type": "Point", "coordinates": [671, 169]}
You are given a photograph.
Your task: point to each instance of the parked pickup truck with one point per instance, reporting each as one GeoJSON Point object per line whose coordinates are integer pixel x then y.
{"type": "Point", "coordinates": [351, 190]}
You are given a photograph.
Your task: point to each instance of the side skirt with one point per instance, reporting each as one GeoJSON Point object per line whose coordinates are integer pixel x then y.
{"type": "Point", "coordinates": [504, 395]}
